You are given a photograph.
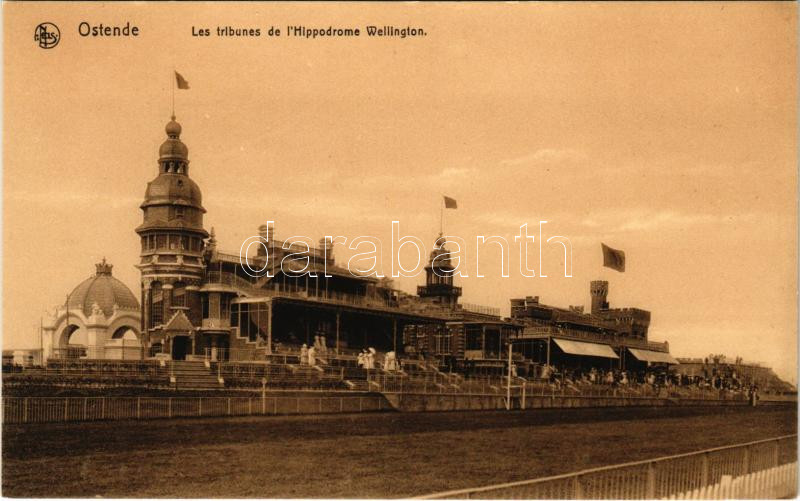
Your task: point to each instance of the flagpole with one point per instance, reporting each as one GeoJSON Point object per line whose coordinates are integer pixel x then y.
{"type": "Point", "coordinates": [441, 217]}
{"type": "Point", "coordinates": [172, 84]}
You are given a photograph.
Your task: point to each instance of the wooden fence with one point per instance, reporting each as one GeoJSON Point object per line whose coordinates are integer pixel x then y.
{"type": "Point", "coordinates": [761, 469]}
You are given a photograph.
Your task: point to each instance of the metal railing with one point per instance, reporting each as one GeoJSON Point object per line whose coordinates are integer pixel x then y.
{"type": "Point", "coordinates": [67, 409]}
{"type": "Point", "coordinates": [481, 309]}
{"type": "Point", "coordinates": [125, 350]}
{"type": "Point", "coordinates": [294, 291]}
{"type": "Point", "coordinates": [102, 366]}
{"type": "Point", "coordinates": [440, 382]}
{"type": "Point", "coordinates": [650, 479]}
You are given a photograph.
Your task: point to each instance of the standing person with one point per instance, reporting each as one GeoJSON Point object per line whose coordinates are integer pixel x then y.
{"type": "Point", "coordinates": [361, 360]}
{"type": "Point", "coordinates": [312, 356]}
{"type": "Point", "coordinates": [304, 354]}
{"type": "Point", "coordinates": [371, 358]}
{"type": "Point", "coordinates": [389, 362]}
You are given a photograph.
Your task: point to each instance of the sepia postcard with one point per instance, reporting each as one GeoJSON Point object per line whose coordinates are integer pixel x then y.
{"type": "Point", "coordinates": [523, 250]}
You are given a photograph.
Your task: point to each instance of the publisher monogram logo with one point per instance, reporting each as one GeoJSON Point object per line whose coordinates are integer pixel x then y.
{"type": "Point", "coordinates": [47, 35]}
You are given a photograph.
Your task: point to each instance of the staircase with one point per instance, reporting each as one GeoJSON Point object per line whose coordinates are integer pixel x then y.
{"type": "Point", "coordinates": [193, 375]}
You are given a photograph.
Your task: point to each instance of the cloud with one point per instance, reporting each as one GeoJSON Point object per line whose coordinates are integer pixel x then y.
{"type": "Point", "coordinates": [644, 220]}
{"type": "Point", "coordinates": [63, 198]}
{"type": "Point", "coordinates": [546, 155]}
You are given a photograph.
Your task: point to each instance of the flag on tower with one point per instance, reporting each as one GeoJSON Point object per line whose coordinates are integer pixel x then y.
{"type": "Point", "coordinates": [450, 203]}
{"type": "Point", "coordinates": [613, 258]}
{"type": "Point", "coordinates": [182, 83]}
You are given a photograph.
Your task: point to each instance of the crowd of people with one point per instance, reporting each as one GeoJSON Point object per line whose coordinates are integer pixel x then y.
{"type": "Point", "coordinates": [311, 355]}
{"type": "Point", "coordinates": [366, 358]}
{"type": "Point", "coordinates": [654, 378]}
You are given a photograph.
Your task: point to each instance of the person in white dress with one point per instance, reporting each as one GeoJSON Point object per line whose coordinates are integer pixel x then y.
{"type": "Point", "coordinates": [312, 356]}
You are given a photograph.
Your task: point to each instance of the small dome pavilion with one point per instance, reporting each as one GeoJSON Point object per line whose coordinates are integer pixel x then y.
{"type": "Point", "coordinates": [100, 319]}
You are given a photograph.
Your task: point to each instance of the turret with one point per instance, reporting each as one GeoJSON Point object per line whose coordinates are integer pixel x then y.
{"type": "Point", "coordinates": [172, 238]}
{"type": "Point", "coordinates": [599, 291]}
{"type": "Point", "coordinates": [439, 273]}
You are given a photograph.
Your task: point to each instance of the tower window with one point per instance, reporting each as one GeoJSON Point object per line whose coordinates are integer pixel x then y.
{"type": "Point", "coordinates": [179, 294]}
{"type": "Point", "coordinates": [156, 305]}
{"type": "Point", "coordinates": [179, 212]}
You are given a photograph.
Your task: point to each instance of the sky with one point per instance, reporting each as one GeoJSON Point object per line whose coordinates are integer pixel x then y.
{"type": "Point", "coordinates": [666, 130]}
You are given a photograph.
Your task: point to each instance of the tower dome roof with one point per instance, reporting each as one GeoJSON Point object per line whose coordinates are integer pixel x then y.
{"type": "Point", "coordinates": [173, 128]}
{"type": "Point", "coordinates": [173, 189]}
{"type": "Point", "coordinates": [173, 147]}
{"type": "Point", "coordinates": [104, 290]}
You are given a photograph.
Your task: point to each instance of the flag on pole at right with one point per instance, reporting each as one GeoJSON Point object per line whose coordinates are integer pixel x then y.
{"type": "Point", "coordinates": [182, 83]}
{"type": "Point", "coordinates": [613, 258]}
{"type": "Point", "coordinates": [450, 203]}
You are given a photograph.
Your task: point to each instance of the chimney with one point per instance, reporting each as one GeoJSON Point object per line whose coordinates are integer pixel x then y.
{"type": "Point", "coordinates": [326, 246]}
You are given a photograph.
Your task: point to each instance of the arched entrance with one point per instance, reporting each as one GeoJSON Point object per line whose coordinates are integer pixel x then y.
{"type": "Point", "coordinates": [71, 343]}
{"type": "Point", "coordinates": [125, 332]}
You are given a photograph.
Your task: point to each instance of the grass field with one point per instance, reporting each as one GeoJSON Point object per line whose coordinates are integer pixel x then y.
{"type": "Point", "coordinates": [364, 455]}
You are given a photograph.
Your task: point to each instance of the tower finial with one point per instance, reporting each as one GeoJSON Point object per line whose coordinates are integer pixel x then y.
{"type": "Point", "coordinates": [103, 268]}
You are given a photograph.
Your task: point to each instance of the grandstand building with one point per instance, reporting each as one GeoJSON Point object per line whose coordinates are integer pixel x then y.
{"type": "Point", "coordinates": [605, 338]}
{"type": "Point", "coordinates": [199, 302]}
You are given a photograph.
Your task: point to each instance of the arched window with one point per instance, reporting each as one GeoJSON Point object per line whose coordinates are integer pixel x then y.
{"type": "Point", "coordinates": [179, 294]}
{"type": "Point", "coordinates": [156, 304]}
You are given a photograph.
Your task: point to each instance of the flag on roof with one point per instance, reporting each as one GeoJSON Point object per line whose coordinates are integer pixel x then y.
{"type": "Point", "coordinates": [182, 83]}
{"type": "Point", "coordinates": [450, 203]}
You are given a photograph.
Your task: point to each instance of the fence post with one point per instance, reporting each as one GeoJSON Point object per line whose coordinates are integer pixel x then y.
{"type": "Point", "coordinates": [229, 406]}
{"type": "Point", "coordinates": [103, 408]}
{"type": "Point", "coordinates": [138, 407]}
{"type": "Point", "coordinates": [341, 404]}
{"type": "Point", "coordinates": [298, 405]}
{"type": "Point", "coordinates": [775, 454]}
{"type": "Point", "coordinates": [25, 410]}
{"type": "Point", "coordinates": [577, 490]}
{"type": "Point", "coordinates": [264, 395]}
{"type": "Point", "coordinates": [704, 469]}
{"type": "Point", "coordinates": [651, 481]}
{"type": "Point", "coordinates": [249, 406]}
{"type": "Point", "coordinates": [746, 461]}
{"type": "Point", "coordinates": [169, 407]}
{"type": "Point", "coordinates": [200, 406]}
{"type": "Point", "coordinates": [85, 402]}
{"type": "Point", "coordinates": [360, 406]}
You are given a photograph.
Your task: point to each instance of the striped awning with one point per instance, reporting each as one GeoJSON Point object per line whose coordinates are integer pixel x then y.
{"type": "Point", "coordinates": [653, 356]}
{"type": "Point", "coordinates": [586, 349]}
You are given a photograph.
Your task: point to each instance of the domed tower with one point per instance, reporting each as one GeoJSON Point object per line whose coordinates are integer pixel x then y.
{"type": "Point", "coordinates": [438, 286]}
{"type": "Point", "coordinates": [172, 237]}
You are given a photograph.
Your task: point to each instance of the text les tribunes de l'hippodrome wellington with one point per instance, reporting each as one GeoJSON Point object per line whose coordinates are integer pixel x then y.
{"type": "Point", "coordinates": [86, 29]}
